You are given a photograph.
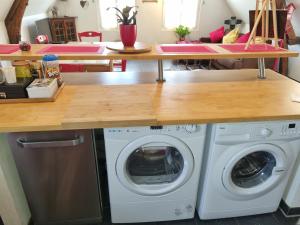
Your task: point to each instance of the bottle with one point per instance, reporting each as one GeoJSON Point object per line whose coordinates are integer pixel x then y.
{"type": "Point", "coordinates": [36, 69]}
{"type": "Point", "coordinates": [50, 66]}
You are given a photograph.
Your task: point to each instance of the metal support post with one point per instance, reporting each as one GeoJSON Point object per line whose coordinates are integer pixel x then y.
{"type": "Point", "coordinates": [261, 69]}
{"type": "Point", "coordinates": [160, 71]}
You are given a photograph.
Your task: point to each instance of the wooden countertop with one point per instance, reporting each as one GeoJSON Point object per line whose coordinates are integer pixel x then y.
{"type": "Point", "coordinates": [133, 99]}
{"type": "Point", "coordinates": [154, 54]}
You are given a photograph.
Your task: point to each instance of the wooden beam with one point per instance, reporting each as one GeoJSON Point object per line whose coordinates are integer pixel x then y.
{"type": "Point", "coordinates": [13, 20]}
{"type": "Point", "coordinates": [274, 10]}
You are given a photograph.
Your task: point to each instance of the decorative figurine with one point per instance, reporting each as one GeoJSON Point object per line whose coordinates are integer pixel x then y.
{"type": "Point", "coordinates": [54, 12]}
{"type": "Point", "coordinates": [25, 46]}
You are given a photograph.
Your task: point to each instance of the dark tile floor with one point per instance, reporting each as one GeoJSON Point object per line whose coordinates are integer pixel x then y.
{"type": "Point", "coordinates": [276, 218]}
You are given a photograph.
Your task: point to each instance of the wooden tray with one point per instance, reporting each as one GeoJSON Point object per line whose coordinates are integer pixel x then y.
{"type": "Point", "coordinates": [137, 48]}
{"type": "Point", "coordinates": [34, 100]}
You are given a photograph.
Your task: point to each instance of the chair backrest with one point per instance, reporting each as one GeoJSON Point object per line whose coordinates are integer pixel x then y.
{"type": "Point", "coordinates": [42, 39]}
{"type": "Point", "coordinates": [90, 34]}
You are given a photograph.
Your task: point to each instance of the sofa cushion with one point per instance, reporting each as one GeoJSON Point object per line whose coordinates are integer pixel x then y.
{"type": "Point", "coordinates": [217, 35]}
{"type": "Point", "coordinates": [244, 38]}
{"type": "Point", "coordinates": [232, 36]}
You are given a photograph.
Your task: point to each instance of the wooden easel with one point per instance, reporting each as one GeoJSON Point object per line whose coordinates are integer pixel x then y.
{"type": "Point", "coordinates": [262, 14]}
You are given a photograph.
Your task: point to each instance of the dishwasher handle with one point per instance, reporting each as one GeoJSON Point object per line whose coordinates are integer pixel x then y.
{"type": "Point", "coordinates": [51, 144]}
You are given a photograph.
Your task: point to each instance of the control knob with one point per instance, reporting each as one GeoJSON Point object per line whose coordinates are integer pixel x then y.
{"type": "Point", "coordinates": [191, 128]}
{"type": "Point", "coordinates": [266, 132]}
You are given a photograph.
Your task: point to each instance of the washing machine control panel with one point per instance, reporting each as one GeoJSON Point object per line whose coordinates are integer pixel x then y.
{"type": "Point", "coordinates": [266, 132]}
{"type": "Point", "coordinates": [177, 130]}
{"type": "Point", "coordinates": [191, 128]}
{"type": "Point", "coordinates": [240, 132]}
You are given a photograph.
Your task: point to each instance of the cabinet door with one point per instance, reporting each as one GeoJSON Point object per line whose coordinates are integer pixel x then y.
{"type": "Point", "coordinates": [58, 30]}
{"type": "Point", "coordinates": [70, 30]}
{"type": "Point", "coordinates": [59, 175]}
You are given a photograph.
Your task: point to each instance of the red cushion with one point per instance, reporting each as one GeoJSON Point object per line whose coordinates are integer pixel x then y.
{"type": "Point", "coordinates": [243, 39]}
{"type": "Point", "coordinates": [217, 35]}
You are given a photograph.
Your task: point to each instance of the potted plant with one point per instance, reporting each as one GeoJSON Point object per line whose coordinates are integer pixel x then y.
{"type": "Point", "coordinates": [127, 25]}
{"type": "Point", "coordinates": [182, 32]}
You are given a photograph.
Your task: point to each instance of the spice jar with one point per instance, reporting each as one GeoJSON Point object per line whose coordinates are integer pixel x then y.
{"type": "Point", "coordinates": [36, 69]}
{"type": "Point", "coordinates": [22, 69]}
{"type": "Point", "coordinates": [51, 68]}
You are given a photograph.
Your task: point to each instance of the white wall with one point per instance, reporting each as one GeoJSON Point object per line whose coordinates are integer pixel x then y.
{"type": "Point", "coordinates": [4, 9]}
{"type": "Point", "coordinates": [150, 20]}
{"type": "Point", "coordinates": [28, 29]}
{"type": "Point", "coordinates": [240, 9]}
{"type": "Point", "coordinates": [36, 7]}
{"type": "Point", "coordinates": [5, 6]}
{"type": "Point", "coordinates": [213, 14]}
{"type": "Point", "coordinates": [3, 33]}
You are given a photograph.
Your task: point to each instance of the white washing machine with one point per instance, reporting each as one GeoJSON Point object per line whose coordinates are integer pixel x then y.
{"type": "Point", "coordinates": [153, 172]}
{"type": "Point", "coordinates": [246, 169]}
{"type": "Point", "coordinates": [290, 205]}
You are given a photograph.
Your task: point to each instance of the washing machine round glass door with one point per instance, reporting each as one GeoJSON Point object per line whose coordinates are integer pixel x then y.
{"type": "Point", "coordinates": [255, 170]}
{"type": "Point", "coordinates": [155, 165]}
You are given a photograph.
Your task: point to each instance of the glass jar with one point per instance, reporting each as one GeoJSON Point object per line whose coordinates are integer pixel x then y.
{"type": "Point", "coordinates": [22, 69]}
{"type": "Point", "coordinates": [51, 68]}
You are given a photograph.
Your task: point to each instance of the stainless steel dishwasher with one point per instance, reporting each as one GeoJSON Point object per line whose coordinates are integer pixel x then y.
{"type": "Point", "coordinates": [59, 174]}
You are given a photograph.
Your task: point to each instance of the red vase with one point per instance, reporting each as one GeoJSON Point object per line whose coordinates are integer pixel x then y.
{"type": "Point", "coordinates": [128, 34]}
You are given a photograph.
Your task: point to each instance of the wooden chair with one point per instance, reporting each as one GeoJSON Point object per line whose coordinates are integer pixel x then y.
{"type": "Point", "coordinates": [90, 34]}
{"type": "Point", "coordinates": [122, 65]}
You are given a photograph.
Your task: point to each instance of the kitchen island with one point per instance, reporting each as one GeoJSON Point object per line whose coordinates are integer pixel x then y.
{"type": "Point", "coordinates": [135, 99]}
{"type": "Point", "coordinates": [99, 100]}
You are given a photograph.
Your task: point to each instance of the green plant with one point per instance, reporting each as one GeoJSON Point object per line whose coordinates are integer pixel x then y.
{"type": "Point", "coordinates": [182, 31]}
{"type": "Point", "coordinates": [123, 16]}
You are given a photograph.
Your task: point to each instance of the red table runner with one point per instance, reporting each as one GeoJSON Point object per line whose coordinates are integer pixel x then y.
{"type": "Point", "coordinates": [189, 48]}
{"type": "Point", "coordinates": [71, 49]}
{"type": "Point", "coordinates": [8, 49]}
{"type": "Point", "coordinates": [236, 48]}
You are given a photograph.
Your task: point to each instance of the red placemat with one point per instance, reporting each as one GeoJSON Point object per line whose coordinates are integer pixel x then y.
{"type": "Point", "coordinates": [189, 48]}
{"type": "Point", "coordinates": [71, 49]}
{"type": "Point", "coordinates": [235, 48]}
{"type": "Point", "coordinates": [8, 49]}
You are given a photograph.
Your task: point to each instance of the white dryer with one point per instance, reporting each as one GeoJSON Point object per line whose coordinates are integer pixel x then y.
{"type": "Point", "coordinates": [246, 169]}
{"type": "Point", "coordinates": [153, 172]}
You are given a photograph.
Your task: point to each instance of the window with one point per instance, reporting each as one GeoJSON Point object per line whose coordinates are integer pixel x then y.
{"type": "Point", "coordinates": [180, 12]}
{"type": "Point", "coordinates": [108, 17]}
